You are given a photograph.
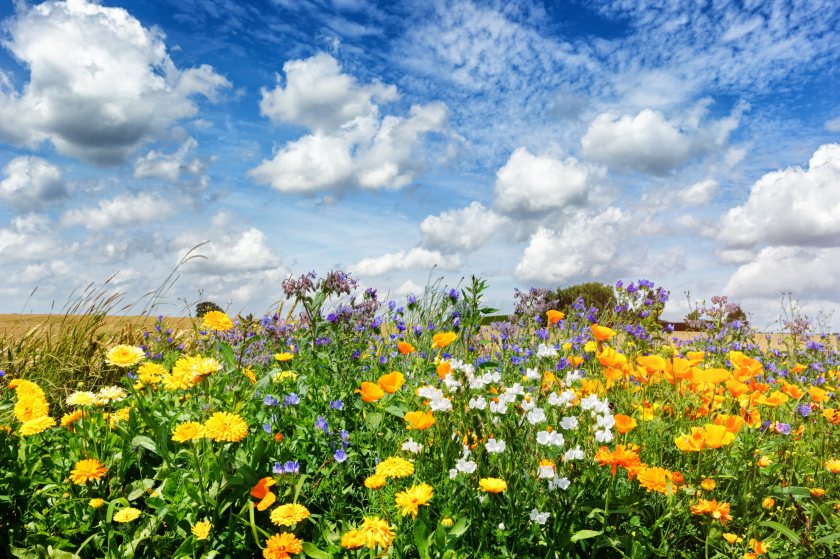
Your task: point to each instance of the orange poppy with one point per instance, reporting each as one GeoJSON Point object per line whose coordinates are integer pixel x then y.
{"type": "Point", "coordinates": [419, 420]}
{"type": "Point", "coordinates": [370, 392]}
{"type": "Point", "coordinates": [602, 333]}
{"type": "Point", "coordinates": [391, 382]}
{"type": "Point", "coordinates": [405, 348]}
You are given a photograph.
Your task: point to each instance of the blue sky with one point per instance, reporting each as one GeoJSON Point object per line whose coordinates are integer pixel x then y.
{"type": "Point", "coordinates": [531, 144]}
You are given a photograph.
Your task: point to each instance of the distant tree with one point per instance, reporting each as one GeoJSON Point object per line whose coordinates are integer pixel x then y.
{"type": "Point", "coordinates": [594, 294]}
{"type": "Point", "coordinates": [205, 307]}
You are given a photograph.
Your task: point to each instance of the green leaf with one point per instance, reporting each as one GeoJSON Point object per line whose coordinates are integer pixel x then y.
{"type": "Point", "coordinates": [782, 529]}
{"type": "Point", "coordinates": [145, 442]}
{"type": "Point", "coordinates": [460, 527]}
{"type": "Point", "coordinates": [585, 534]}
{"type": "Point", "coordinates": [395, 411]}
{"type": "Point", "coordinates": [311, 551]}
{"type": "Point", "coordinates": [825, 540]}
{"type": "Point", "coordinates": [421, 539]}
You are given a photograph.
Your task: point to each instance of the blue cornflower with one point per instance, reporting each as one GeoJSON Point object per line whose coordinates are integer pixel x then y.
{"type": "Point", "coordinates": [292, 399]}
{"type": "Point", "coordinates": [336, 405]}
{"type": "Point", "coordinates": [321, 423]}
{"type": "Point", "coordinates": [340, 455]}
{"type": "Point", "coordinates": [267, 428]}
{"type": "Point", "coordinates": [270, 400]}
{"type": "Point", "coordinates": [804, 409]}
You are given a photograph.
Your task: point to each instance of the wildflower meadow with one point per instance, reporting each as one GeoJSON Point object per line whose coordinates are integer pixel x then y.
{"type": "Point", "coordinates": [357, 426]}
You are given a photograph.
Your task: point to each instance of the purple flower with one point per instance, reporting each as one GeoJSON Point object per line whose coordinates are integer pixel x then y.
{"type": "Point", "coordinates": [267, 428]}
{"type": "Point", "coordinates": [270, 400]}
{"type": "Point", "coordinates": [804, 409]}
{"type": "Point", "coordinates": [344, 435]}
{"type": "Point", "coordinates": [336, 405]}
{"type": "Point", "coordinates": [321, 423]}
{"type": "Point", "coordinates": [290, 467]}
{"type": "Point", "coordinates": [340, 456]}
{"type": "Point", "coordinates": [783, 428]}
{"type": "Point", "coordinates": [292, 399]}
{"type": "Point", "coordinates": [453, 294]}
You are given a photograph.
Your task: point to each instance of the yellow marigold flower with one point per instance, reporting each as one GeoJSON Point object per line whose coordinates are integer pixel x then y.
{"type": "Point", "coordinates": [282, 546]}
{"type": "Point", "coordinates": [289, 515]}
{"type": "Point", "coordinates": [590, 347]}
{"type": "Point", "coordinates": [81, 399]}
{"type": "Point", "coordinates": [375, 481]}
{"type": "Point", "coordinates": [124, 355]}
{"type": "Point", "coordinates": [377, 532]}
{"type": "Point", "coordinates": [25, 388]}
{"type": "Point", "coordinates": [817, 492]}
{"type": "Point", "coordinates": [284, 356]}
{"type": "Point", "coordinates": [180, 380]}
{"type": "Point", "coordinates": [447, 522]}
{"type": "Point", "coordinates": [121, 414]}
{"type": "Point", "coordinates": [391, 382]}
{"type": "Point", "coordinates": [201, 530]}
{"type": "Point", "coordinates": [126, 515]}
{"type": "Point", "coordinates": [110, 394]}
{"type": "Point", "coordinates": [731, 538]}
{"type": "Point", "coordinates": [656, 479]}
{"type": "Point", "coordinates": [35, 426]}
{"type": "Point", "coordinates": [492, 485]}
{"type": "Point", "coordinates": [833, 466]}
{"type": "Point", "coordinates": [443, 339]}
{"type": "Point", "coordinates": [31, 406]}
{"type": "Point", "coordinates": [354, 539]}
{"type": "Point", "coordinates": [249, 374]}
{"type": "Point", "coordinates": [708, 484]}
{"type": "Point", "coordinates": [189, 431]}
{"type": "Point", "coordinates": [96, 503]}
{"type": "Point", "coordinates": [419, 420]}
{"type": "Point", "coordinates": [87, 470]}
{"type": "Point", "coordinates": [150, 373]}
{"type": "Point", "coordinates": [410, 500]}
{"type": "Point", "coordinates": [768, 503]}
{"type": "Point", "coordinates": [718, 511]}
{"type": "Point", "coordinates": [225, 427]}
{"type": "Point", "coordinates": [216, 320]}
{"type": "Point", "coordinates": [68, 419]}
{"type": "Point", "coordinates": [394, 466]}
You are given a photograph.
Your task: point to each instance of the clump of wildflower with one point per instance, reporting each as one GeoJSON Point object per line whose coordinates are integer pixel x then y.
{"type": "Point", "coordinates": [410, 500]}
{"type": "Point", "coordinates": [124, 356]}
{"type": "Point", "coordinates": [216, 320]}
{"type": "Point", "coordinates": [87, 470]}
{"type": "Point", "coordinates": [289, 514]}
{"type": "Point", "coordinates": [282, 546]}
{"type": "Point", "coordinates": [225, 427]}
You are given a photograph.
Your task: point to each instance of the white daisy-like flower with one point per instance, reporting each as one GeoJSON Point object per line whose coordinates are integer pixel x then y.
{"type": "Point", "coordinates": [412, 446]}
{"type": "Point", "coordinates": [477, 403]}
{"type": "Point", "coordinates": [539, 517]}
{"type": "Point", "coordinates": [536, 415]}
{"type": "Point", "coordinates": [495, 447]}
{"type": "Point", "coordinates": [546, 351]}
{"type": "Point", "coordinates": [569, 423]}
{"type": "Point", "coordinates": [573, 454]}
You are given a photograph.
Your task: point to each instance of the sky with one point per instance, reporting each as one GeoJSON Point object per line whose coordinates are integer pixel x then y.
{"type": "Point", "coordinates": [694, 144]}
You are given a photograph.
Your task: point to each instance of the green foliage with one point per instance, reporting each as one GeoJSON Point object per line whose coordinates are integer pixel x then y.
{"type": "Point", "coordinates": [593, 294]}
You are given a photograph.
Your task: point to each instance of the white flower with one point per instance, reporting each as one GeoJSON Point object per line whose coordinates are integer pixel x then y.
{"type": "Point", "coordinates": [478, 403]}
{"type": "Point", "coordinates": [110, 394]}
{"type": "Point", "coordinates": [500, 407]}
{"type": "Point", "coordinates": [527, 404]}
{"type": "Point", "coordinates": [561, 482]}
{"type": "Point", "coordinates": [603, 436]}
{"type": "Point", "coordinates": [543, 438]}
{"type": "Point", "coordinates": [539, 517]}
{"type": "Point", "coordinates": [546, 351]}
{"type": "Point", "coordinates": [495, 447]}
{"type": "Point", "coordinates": [545, 472]}
{"type": "Point", "coordinates": [569, 423]}
{"type": "Point", "coordinates": [501, 525]}
{"type": "Point", "coordinates": [536, 415]}
{"type": "Point", "coordinates": [605, 421]}
{"type": "Point", "coordinates": [411, 446]}
{"type": "Point", "coordinates": [515, 390]}
{"type": "Point", "coordinates": [554, 399]}
{"type": "Point", "coordinates": [589, 402]}
{"type": "Point", "coordinates": [429, 392]}
{"type": "Point", "coordinates": [466, 466]}
{"type": "Point", "coordinates": [573, 376]}
{"type": "Point", "coordinates": [573, 454]}
{"type": "Point", "coordinates": [441, 404]}
{"type": "Point", "coordinates": [453, 473]}
{"type": "Point", "coordinates": [532, 374]}
{"type": "Point", "coordinates": [452, 384]}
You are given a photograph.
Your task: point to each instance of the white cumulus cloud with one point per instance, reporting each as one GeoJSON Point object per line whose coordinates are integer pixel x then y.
{"type": "Point", "coordinates": [121, 211]}
{"type": "Point", "coordinates": [100, 83]}
{"type": "Point", "coordinates": [530, 183]}
{"type": "Point", "coordinates": [699, 193]}
{"type": "Point", "coordinates": [464, 229]}
{"type": "Point", "coordinates": [351, 144]}
{"type": "Point", "coordinates": [793, 206]}
{"type": "Point", "coordinates": [31, 183]}
{"type": "Point", "coordinates": [414, 259]}
{"type": "Point", "coordinates": [171, 166]}
{"type": "Point", "coordinates": [807, 272]}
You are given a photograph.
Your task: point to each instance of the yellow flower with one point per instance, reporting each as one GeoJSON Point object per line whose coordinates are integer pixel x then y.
{"type": "Point", "coordinates": [119, 415]}
{"type": "Point", "coordinates": [31, 406]}
{"type": "Point", "coordinates": [354, 539]}
{"type": "Point", "coordinates": [443, 339]}
{"type": "Point", "coordinates": [731, 538]}
{"type": "Point", "coordinates": [708, 484]}
{"type": "Point", "coordinates": [492, 485]}
{"type": "Point", "coordinates": [282, 546]}
{"type": "Point", "coordinates": [201, 530]}
{"type": "Point", "coordinates": [289, 515]}
{"type": "Point", "coordinates": [25, 388]}
{"type": "Point", "coordinates": [151, 373]}
{"type": "Point", "coordinates": [35, 426]}
{"type": "Point", "coordinates": [768, 503]}
{"type": "Point", "coordinates": [377, 532]}
{"type": "Point", "coordinates": [410, 500]}
{"type": "Point", "coordinates": [419, 420]}
{"type": "Point", "coordinates": [283, 375]}
{"type": "Point", "coordinates": [81, 399]}
{"type": "Point", "coordinates": [189, 431]}
{"type": "Point", "coordinates": [225, 427]}
{"type": "Point", "coordinates": [284, 356]}
{"type": "Point", "coordinates": [764, 461]}
{"type": "Point", "coordinates": [87, 470]}
{"type": "Point", "coordinates": [124, 355]}
{"type": "Point", "coordinates": [110, 394]}
{"type": "Point", "coordinates": [96, 503]}
{"type": "Point", "coordinates": [394, 466]}
{"type": "Point", "coordinates": [68, 419]}
{"type": "Point", "coordinates": [126, 515]}
{"type": "Point", "coordinates": [717, 436]}
{"type": "Point", "coordinates": [375, 481]}
{"type": "Point", "coordinates": [447, 522]}
{"type": "Point", "coordinates": [590, 347]}
{"type": "Point", "coordinates": [216, 320]}
{"type": "Point", "coordinates": [817, 492]}
{"type": "Point", "coordinates": [249, 374]}
{"type": "Point", "coordinates": [656, 479]}
{"type": "Point", "coordinates": [266, 501]}
{"type": "Point", "coordinates": [833, 466]}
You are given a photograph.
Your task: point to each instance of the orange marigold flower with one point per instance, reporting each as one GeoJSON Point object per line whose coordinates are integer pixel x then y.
{"type": "Point", "coordinates": [216, 320]}
{"type": "Point", "coordinates": [656, 479]}
{"type": "Point", "coordinates": [759, 547]}
{"type": "Point", "coordinates": [718, 511]}
{"type": "Point", "coordinates": [817, 492]}
{"type": "Point", "coordinates": [354, 539]}
{"type": "Point", "coordinates": [768, 503]}
{"type": "Point", "coordinates": [624, 423]}
{"type": "Point", "coordinates": [282, 546]}
{"type": "Point", "coordinates": [419, 420]}
{"type": "Point", "coordinates": [377, 532]}
{"type": "Point", "coordinates": [622, 456]}
{"type": "Point", "coordinates": [87, 470]}
{"type": "Point", "coordinates": [370, 392]}
{"type": "Point", "coordinates": [225, 427]}
{"type": "Point", "coordinates": [391, 382]}
{"type": "Point", "coordinates": [833, 466]}
{"type": "Point", "coordinates": [764, 461]}
{"type": "Point", "coordinates": [708, 484]}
